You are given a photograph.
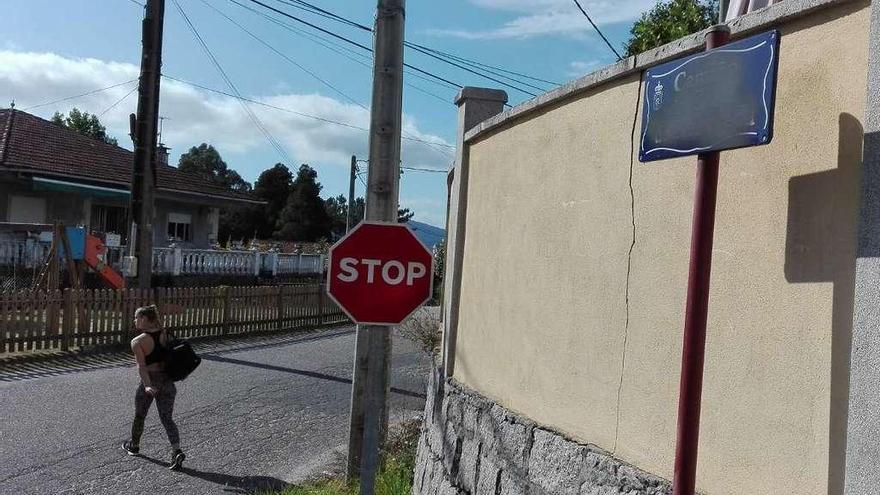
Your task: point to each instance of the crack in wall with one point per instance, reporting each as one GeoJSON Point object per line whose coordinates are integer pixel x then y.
{"type": "Point", "coordinates": [629, 259]}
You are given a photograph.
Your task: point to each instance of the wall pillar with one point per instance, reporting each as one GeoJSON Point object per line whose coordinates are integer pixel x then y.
{"type": "Point", "coordinates": [213, 225]}
{"type": "Point", "coordinates": [862, 473]}
{"type": "Point", "coordinates": [474, 106]}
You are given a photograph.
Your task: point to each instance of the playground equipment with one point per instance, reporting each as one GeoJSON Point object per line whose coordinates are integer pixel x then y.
{"type": "Point", "coordinates": [79, 249]}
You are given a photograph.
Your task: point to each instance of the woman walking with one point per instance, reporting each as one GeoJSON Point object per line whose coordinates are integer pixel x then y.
{"type": "Point", "coordinates": [150, 350]}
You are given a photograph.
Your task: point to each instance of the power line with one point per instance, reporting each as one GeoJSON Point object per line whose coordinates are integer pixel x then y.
{"type": "Point", "coordinates": [341, 49]}
{"type": "Point", "coordinates": [272, 141]}
{"type": "Point", "coordinates": [79, 95]}
{"type": "Point", "coordinates": [267, 105]}
{"type": "Point", "coordinates": [111, 107]}
{"type": "Point", "coordinates": [442, 56]}
{"type": "Point", "coordinates": [597, 29]}
{"type": "Point", "coordinates": [349, 41]}
{"type": "Point", "coordinates": [285, 57]}
{"type": "Point", "coordinates": [480, 64]}
{"type": "Point", "coordinates": [138, 4]}
{"type": "Point", "coordinates": [418, 169]}
{"type": "Point", "coordinates": [486, 67]}
{"type": "Point", "coordinates": [301, 114]}
{"type": "Point", "coordinates": [477, 73]}
{"type": "Point", "coordinates": [315, 76]}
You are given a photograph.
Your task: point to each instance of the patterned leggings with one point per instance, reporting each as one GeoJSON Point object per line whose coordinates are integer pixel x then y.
{"type": "Point", "coordinates": [164, 403]}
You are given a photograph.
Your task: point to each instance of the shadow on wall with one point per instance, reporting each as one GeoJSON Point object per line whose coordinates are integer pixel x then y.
{"type": "Point", "coordinates": [821, 247]}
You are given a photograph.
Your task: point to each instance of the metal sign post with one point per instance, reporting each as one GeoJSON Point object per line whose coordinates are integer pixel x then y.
{"type": "Point", "coordinates": [693, 351]}
{"type": "Point", "coordinates": [720, 99]}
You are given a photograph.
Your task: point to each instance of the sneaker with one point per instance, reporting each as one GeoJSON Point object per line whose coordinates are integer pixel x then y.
{"type": "Point", "coordinates": [131, 449]}
{"type": "Point", "coordinates": [177, 460]}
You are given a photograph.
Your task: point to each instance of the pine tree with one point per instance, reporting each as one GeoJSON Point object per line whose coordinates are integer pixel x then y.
{"type": "Point", "coordinates": [304, 217]}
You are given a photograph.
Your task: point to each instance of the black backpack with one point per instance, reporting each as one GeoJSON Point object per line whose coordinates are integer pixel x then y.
{"type": "Point", "coordinates": [181, 359]}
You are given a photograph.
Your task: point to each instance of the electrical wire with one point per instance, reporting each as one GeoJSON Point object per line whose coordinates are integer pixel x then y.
{"type": "Point", "coordinates": [480, 64]}
{"type": "Point", "coordinates": [256, 120]}
{"type": "Point", "coordinates": [301, 114]}
{"type": "Point", "coordinates": [431, 53]}
{"type": "Point", "coordinates": [343, 47]}
{"type": "Point", "coordinates": [477, 73]}
{"type": "Point", "coordinates": [143, 6]}
{"type": "Point", "coordinates": [285, 57]}
{"type": "Point", "coordinates": [111, 107]}
{"type": "Point", "coordinates": [330, 15]}
{"type": "Point", "coordinates": [419, 48]}
{"type": "Point", "coordinates": [349, 41]}
{"type": "Point", "coordinates": [418, 169]}
{"type": "Point", "coordinates": [79, 95]}
{"type": "Point", "coordinates": [307, 71]}
{"type": "Point", "coordinates": [347, 52]}
{"type": "Point", "coordinates": [597, 30]}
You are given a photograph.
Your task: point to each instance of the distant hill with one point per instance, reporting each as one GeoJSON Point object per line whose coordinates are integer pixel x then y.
{"type": "Point", "coordinates": [428, 234]}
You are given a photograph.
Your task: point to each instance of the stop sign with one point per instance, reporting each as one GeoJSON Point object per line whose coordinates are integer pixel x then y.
{"type": "Point", "coordinates": [380, 273]}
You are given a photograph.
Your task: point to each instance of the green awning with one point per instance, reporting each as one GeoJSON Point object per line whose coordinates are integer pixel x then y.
{"type": "Point", "coordinates": [43, 184]}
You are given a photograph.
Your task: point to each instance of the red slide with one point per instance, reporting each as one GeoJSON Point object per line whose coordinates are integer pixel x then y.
{"type": "Point", "coordinates": [95, 247]}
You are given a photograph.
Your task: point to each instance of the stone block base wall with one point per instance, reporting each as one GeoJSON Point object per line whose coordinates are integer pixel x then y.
{"type": "Point", "coordinates": [470, 445]}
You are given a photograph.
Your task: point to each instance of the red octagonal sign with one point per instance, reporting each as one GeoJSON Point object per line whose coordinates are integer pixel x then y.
{"type": "Point", "coordinates": [380, 273]}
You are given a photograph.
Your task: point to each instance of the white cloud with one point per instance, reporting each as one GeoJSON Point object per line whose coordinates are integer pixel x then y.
{"type": "Point", "coordinates": [550, 17]}
{"type": "Point", "coordinates": [195, 115]}
{"type": "Point", "coordinates": [579, 68]}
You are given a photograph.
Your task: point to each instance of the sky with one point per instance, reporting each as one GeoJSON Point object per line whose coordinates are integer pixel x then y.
{"type": "Point", "coordinates": [310, 91]}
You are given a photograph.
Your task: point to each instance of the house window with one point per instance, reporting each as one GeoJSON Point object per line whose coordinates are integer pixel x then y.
{"type": "Point", "coordinates": [179, 227]}
{"type": "Point", "coordinates": [27, 209]}
{"type": "Point", "coordinates": [108, 219]}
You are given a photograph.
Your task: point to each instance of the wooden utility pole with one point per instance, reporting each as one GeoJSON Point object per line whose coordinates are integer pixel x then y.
{"type": "Point", "coordinates": [349, 217]}
{"type": "Point", "coordinates": [372, 367]}
{"type": "Point", "coordinates": [143, 181]}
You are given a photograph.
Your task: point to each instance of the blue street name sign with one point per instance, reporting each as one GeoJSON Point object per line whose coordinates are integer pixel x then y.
{"type": "Point", "coordinates": [715, 100]}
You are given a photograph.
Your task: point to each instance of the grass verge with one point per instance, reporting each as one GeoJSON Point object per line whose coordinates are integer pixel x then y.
{"type": "Point", "coordinates": [394, 478]}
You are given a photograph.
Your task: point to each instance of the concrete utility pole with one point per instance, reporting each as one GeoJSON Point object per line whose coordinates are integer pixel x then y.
{"type": "Point", "coordinates": [349, 217]}
{"type": "Point", "coordinates": [722, 10]}
{"type": "Point", "coordinates": [144, 174]}
{"type": "Point", "coordinates": [373, 367]}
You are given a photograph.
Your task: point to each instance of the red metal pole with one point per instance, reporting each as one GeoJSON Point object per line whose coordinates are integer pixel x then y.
{"type": "Point", "coordinates": [694, 347]}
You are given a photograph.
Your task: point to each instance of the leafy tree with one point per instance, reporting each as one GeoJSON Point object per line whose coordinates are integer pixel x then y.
{"type": "Point", "coordinates": [404, 215]}
{"type": "Point", "coordinates": [304, 217]}
{"type": "Point", "coordinates": [238, 223]}
{"type": "Point", "coordinates": [273, 186]}
{"type": "Point", "coordinates": [668, 21]}
{"type": "Point", "coordinates": [205, 161]}
{"type": "Point", "coordinates": [359, 209]}
{"type": "Point", "coordinates": [337, 210]}
{"type": "Point", "coordinates": [85, 124]}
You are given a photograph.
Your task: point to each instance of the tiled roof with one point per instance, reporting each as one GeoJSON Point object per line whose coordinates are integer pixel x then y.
{"type": "Point", "coordinates": [30, 143]}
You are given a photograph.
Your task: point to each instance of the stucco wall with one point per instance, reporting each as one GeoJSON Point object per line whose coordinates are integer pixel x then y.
{"type": "Point", "coordinates": [556, 324]}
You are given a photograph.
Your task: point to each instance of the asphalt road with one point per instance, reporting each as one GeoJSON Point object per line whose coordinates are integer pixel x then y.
{"type": "Point", "coordinates": [260, 414]}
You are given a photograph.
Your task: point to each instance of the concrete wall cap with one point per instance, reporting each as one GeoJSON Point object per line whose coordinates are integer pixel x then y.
{"type": "Point", "coordinates": [742, 26]}
{"type": "Point", "coordinates": [473, 93]}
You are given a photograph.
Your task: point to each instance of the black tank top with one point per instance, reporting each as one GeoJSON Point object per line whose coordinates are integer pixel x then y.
{"type": "Point", "coordinates": [159, 352]}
